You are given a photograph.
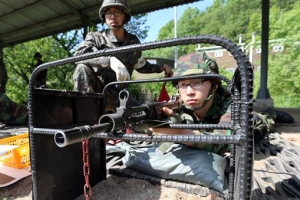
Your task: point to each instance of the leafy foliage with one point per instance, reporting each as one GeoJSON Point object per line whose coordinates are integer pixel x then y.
{"type": "Point", "coordinates": [137, 26]}
{"type": "Point", "coordinates": [20, 63]}
{"type": "Point", "coordinates": [150, 91]}
{"type": "Point", "coordinates": [234, 17]}
{"type": "Point", "coordinates": [228, 18]}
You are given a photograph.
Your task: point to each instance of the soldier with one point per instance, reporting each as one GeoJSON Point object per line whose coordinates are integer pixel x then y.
{"type": "Point", "coordinates": [205, 101]}
{"type": "Point", "coordinates": [92, 75]}
{"type": "Point", "coordinates": [41, 78]}
{"type": "Point", "coordinates": [12, 113]}
{"type": "Point", "coordinates": [3, 77]}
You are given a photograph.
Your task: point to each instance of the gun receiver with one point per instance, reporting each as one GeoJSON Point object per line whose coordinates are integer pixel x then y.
{"type": "Point", "coordinates": [126, 116]}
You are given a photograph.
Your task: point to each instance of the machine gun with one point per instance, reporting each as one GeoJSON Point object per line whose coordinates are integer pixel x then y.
{"type": "Point", "coordinates": [126, 116]}
{"type": "Point", "coordinates": [52, 112]}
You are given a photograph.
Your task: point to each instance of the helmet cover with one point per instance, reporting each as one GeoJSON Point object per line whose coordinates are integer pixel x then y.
{"type": "Point", "coordinates": [120, 4]}
{"type": "Point", "coordinates": [194, 64]}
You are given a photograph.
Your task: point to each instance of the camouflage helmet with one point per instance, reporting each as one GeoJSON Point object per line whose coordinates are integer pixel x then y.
{"type": "Point", "coordinates": [196, 63]}
{"type": "Point", "coordinates": [120, 4]}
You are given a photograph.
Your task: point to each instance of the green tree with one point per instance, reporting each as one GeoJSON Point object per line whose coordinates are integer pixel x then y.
{"type": "Point", "coordinates": [20, 62]}
{"type": "Point", "coordinates": [234, 17]}
{"type": "Point", "coordinates": [283, 81]}
{"type": "Point", "coordinates": [137, 26]}
{"type": "Point", "coordinates": [228, 18]}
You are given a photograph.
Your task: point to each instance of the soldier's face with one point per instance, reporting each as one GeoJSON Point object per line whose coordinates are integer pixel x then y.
{"type": "Point", "coordinates": [114, 17]}
{"type": "Point", "coordinates": [193, 92]}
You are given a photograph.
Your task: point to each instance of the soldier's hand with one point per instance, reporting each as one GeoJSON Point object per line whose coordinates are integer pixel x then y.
{"type": "Point", "coordinates": [168, 70]}
{"type": "Point", "coordinates": [120, 69]}
{"type": "Point", "coordinates": [168, 111]}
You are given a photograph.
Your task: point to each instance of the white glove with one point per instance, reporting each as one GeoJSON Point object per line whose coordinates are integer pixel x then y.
{"type": "Point", "coordinates": [141, 63]}
{"type": "Point", "coordinates": [120, 69]}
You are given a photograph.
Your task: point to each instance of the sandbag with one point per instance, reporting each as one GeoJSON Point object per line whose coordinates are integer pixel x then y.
{"type": "Point", "coordinates": [182, 164]}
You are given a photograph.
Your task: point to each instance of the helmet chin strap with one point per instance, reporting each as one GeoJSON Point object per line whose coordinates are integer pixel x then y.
{"type": "Point", "coordinates": [114, 28]}
{"type": "Point", "coordinates": [209, 96]}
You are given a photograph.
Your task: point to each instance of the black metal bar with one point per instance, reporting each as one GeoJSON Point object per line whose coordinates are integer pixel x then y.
{"type": "Point", "coordinates": [67, 137]}
{"type": "Point", "coordinates": [216, 139]}
{"type": "Point", "coordinates": [244, 151]}
{"type": "Point", "coordinates": [263, 92]}
{"type": "Point", "coordinates": [78, 134]}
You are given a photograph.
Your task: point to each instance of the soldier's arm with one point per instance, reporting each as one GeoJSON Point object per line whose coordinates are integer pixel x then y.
{"type": "Point", "coordinates": [93, 42]}
{"type": "Point", "coordinates": [216, 148]}
{"type": "Point", "coordinates": [90, 44]}
{"type": "Point", "coordinates": [143, 66]}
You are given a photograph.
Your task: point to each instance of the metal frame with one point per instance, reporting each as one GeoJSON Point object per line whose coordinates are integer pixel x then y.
{"type": "Point", "coordinates": [241, 159]}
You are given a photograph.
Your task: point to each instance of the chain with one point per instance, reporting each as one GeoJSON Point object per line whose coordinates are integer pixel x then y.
{"type": "Point", "coordinates": [86, 169]}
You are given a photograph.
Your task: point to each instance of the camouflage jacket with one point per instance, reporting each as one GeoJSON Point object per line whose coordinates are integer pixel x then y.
{"type": "Point", "coordinates": [220, 113]}
{"type": "Point", "coordinates": [11, 113]}
{"type": "Point", "coordinates": [96, 41]}
{"type": "Point", "coordinates": [41, 78]}
{"type": "Point", "coordinates": [3, 77]}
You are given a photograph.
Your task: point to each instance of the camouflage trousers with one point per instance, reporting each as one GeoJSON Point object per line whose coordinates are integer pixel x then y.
{"type": "Point", "coordinates": [3, 77]}
{"type": "Point", "coordinates": [263, 124]}
{"type": "Point", "coordinates": [87, 80]}
{"type": "Point", "coordinates": [12, 113]}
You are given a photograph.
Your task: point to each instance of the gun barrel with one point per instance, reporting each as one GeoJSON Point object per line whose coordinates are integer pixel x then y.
{"type": "Point", "coordinates": [63, 138]}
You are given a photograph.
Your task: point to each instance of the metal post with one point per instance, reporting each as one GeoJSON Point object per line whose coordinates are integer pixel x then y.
{"type": "Point", "coordinates": [175, 36]}
{"type": "Point", "coordinates": [263, 92]}
{"type": "Point", "coordinates": [240, 39]}
{"type": "Point", "coordinates": [251, 48]}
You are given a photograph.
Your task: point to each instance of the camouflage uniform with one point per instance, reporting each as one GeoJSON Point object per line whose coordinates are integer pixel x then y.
{"type": "Point", "coordinates": [220, 109]}
{"type": "Point", "coordinates": [41, 78]}
{"type": "Point", "coordinates": [11, 113]}
{"type": "Point", "coordinates": [93, 74]}
{"type": "Point", "coordinates": [218, 113]}
{"type": "Point", "coordinates": [87, 72]}
{"type": "Point", "coordinates": [3, 77]}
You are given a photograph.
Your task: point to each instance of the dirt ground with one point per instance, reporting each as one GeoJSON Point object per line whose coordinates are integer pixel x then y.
{"type": "Point", "coordinates": [115, 188]}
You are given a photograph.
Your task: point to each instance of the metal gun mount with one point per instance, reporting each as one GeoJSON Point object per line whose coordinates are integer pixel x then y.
{"type": "Point", "coordinates": [115, 123]}
{"type": "Point", "coordinates": [53, 112]}
{"type": "Point", "coordinates": [126, 113]}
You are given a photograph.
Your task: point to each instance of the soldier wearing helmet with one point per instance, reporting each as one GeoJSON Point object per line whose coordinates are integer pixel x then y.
{"type": "Point", "coordinates": [92, 75]}
{"type": "Point", "coordinates": [195, 64]}
{"type": "Point", "coordinates": [121, 5]}
{"type": "Point", "coordinates": [41, 78]}
{"type": "Point", "coordinates": [207, 101]}
{"type": "Point", "coordinates": [204, 100]}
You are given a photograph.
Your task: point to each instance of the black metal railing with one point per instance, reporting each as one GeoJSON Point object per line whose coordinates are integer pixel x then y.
{"type": "Point", "coordinates": [241, 88]}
